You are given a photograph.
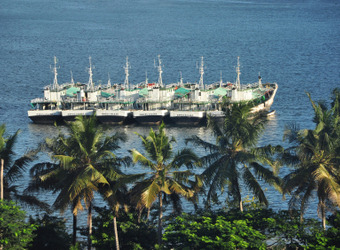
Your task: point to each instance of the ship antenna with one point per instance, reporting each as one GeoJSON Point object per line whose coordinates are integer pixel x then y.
{"type": "Point", "coordinates": [55, 81]}
{"type": "Point", "coordinates": [238, 84]}
{"type": "Point", "coordinates": [146, 79]}
{"type": "Point", "coordinates": [72, 81]}
{"type": "Point", "coordinates": [260, 80]}
{"type": "Point", "coordinates": [108, 81]}
{"type": "Point", "coordinates": [126, 68]}
{"type": "Point", "coordinates": [90, 85]}
{"type": "Point", "coordinates": [201, 83]}
{"type": "Point", "coordinates": [221, 80]}
{"type": "Point", "coordinates": [160, 71]}
{"type": "Point", "coordinates": [181, 79]}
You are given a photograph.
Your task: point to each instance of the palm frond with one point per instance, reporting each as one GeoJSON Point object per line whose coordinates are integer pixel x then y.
{"type": "Point", "coordinates": [291, 133]}
{"type": "Point", "coordinates": [138, 157]}
{"type": "Point", "coordinates": [182, 176]}
{"type": "Point", "coordinates": [32, 201]}
{"type": "Point", "coordinates": [185, 157]}
{"type": "Point", "coordinates": [19, 166]}
{"type": "Point", "coordinates": [196, 141]}
{"type": "Point", "coordinates": [179, 188]}
{"type": "Point", "coordinates": [265, 174]}
{"type": "Point", "coordinates": [150, 193]}
{"type": "Point", "coordinates": [214, 126]}
{"type": "Point", "coordinates": [254, 186]}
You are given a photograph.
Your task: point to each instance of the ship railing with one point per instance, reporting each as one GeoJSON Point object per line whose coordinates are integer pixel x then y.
{"type": "Point", "coordinates": [76, 100]}
{"type": "Point", "coordinates": [41, 100]}
{"type": "Point", "coordinates": [151, 100]}
{"type": "Point", "coordinates": [249, 86]}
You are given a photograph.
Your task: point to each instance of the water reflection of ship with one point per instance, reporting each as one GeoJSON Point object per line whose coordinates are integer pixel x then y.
{"type": "Point", "coordinates": [147, 103]}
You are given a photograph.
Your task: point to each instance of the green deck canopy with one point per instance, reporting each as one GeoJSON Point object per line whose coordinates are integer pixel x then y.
{"type": "Point", "coordinates": [144, 92]}
{"type": "Point", "coordinates": [72, 91]}
{"type": "Point", "coordinates": [106, 95]}
{"type": "Point", "coordinates": [182, 92]}
{"type": "Point", "coordinates": [220, 92]}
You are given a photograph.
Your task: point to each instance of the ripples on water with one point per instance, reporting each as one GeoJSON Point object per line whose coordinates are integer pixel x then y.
{"type": "Point", "coordinates": [293, 43]}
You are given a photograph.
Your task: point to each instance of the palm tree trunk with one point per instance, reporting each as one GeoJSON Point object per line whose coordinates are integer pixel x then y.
{"type": "Point", "coordinates": [301, 217]}
{"type": "Point", "coordinates": [160, 216]}
{"type": "Point", "coordinates": [2, 187]}
{"type": "Point", "coordinates": [240, 199]}
{"type": "Point", "coordinates": [74, 235]}
{"type": "Point", "coordinates": [139, 215]}
{"type": "Point", "coordinates": [116, 231]}
{"type": "Point", "coordinates": [89, 224]}
{"type": "Point", "coordinates": [323, 215]}
{"type": "Point", "coordinates": [2, 179]}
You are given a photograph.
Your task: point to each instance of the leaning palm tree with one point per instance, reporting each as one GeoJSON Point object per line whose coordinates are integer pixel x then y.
{"type": "Point", "coordinates": [235, 157]}
{"type": "Point", "coordinates": [315, 154]}
{"type": "Point", "coordinates": [82, 163]}
{"type": "Point", "coordinates": [14, 170]}
{"type": "Point", "coordinates": [165, 176]}
{"type": "Point", "coordinates": [116, 195]}
{"type": "Point", "coordinates": [336, 101]}
{"type": "Point", "coordinates": [52, 177]}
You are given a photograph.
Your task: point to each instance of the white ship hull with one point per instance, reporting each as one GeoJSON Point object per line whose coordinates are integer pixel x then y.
{"type": "Point", "coordinates": [187, 117]}
{"type": "Point", "coordinates": [153, 103]}
{"type": "Point", "coordinates": [150, 116]}
{"type": "Point", "coordinates": [113, 116]}
{"type": "Point", "coordinates": [70, 115]}
{"type": "Point", "coordinates": [45, 116]}
{"type": "Point", "coordinates": [265, 107]}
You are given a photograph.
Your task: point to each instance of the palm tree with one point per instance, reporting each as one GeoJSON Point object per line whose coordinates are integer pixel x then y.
{"type": "Point", "coordinates": [165, 176]}
{"type": "Point", "coordinates": [315, 154]}
{"type": "Point", "coordinates": [336, 101]}
{"type": "Point", "coordinates": [14, 169]}
{"type": "Point", "coordinates": [116, 195]}
{"type": "Point", "coordinates": [83, 163]}
{"type": "Point", "coordinates": [234, 157]}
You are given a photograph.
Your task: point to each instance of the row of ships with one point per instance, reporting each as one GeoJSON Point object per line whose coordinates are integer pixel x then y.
{"type": "Point", "coordinates": [147, 103]}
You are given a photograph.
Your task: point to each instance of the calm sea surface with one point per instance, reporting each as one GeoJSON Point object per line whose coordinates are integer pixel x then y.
{"type": "Point", "coordinates": [295, 43]}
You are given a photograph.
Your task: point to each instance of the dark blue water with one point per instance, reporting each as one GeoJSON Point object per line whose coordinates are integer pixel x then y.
{"type": "Point", "coordinates": [295, 43]}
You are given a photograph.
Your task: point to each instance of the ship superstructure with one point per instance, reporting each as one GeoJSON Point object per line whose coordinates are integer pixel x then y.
{"type": "Point", "coordinates": [147, 102]}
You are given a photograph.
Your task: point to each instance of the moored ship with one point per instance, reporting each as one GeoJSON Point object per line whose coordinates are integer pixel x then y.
{"type": "Point", "coordinates": [146, 103]}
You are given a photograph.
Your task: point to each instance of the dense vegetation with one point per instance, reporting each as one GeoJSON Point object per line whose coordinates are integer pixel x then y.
{"type": "Point", "coordinates": [84, 167]}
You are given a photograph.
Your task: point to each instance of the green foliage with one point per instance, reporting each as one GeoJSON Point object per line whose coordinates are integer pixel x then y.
{"type": "Point", "coordinates": [132, 234]}
{"type": "Point", "coordinates": [83, 162]}
{"type": "Point", "coordinates": [331, 237]}
{"type": "Point", "coordinates": [253, 229]}
{"type": "Point", "coordinates": [211, 231]}
{"type": "Point", "coordinates": [14, 231]}
{"type": "Point", "coordinates": [165, 176]}
{"type": "Point", "coordinates": [316, 160]}
{"type": "Point", "coordinates": [50, 234]}
{"type": "Point", "coordinates": [15, 168]}
{"type": "Point", "coordinates": [235, 158]}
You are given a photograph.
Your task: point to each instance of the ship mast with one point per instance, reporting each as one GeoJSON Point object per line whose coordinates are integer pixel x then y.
{"type": "Point", "coordinates": [146, 79]}
{"type": "Point", "coordinates": [55, 85]}
{"type": "Point", "coordinates": [238, 72]}
{"type": "Point", "coordinates": [90, 84]}
{"type": "Point", "coordinates": [72, 81]}
{"type": "Point", "coordinates": [260, 81]}
{"type": "Point", "coordinates": [108, 81]}
{"type": "Point", "coordinates": [221, 81]}
{"type": "Point", "coordinates": [126, 68]}
{"type": "Point", "coordinates": [201, 70]}
{"type": "Point", "coordinates": [160, 71]}
{"type": "Point", "coordinates": [181, 80]}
